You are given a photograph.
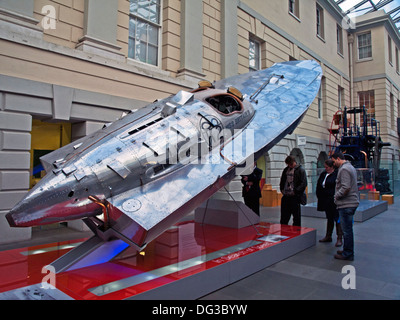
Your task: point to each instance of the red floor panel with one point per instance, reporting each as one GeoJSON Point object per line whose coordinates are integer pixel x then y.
{"type": "Point", "coordinates": [186, 249]}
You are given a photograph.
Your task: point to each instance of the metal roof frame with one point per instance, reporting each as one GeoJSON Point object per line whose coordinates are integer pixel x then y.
{"type": "Point", "coordinates": [391, 7]}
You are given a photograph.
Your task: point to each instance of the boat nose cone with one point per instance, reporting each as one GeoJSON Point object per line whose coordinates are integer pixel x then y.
{"type": "Point", "coordinates": [18, 216]}
{"type": "Point", "coordinates": [10, 219]}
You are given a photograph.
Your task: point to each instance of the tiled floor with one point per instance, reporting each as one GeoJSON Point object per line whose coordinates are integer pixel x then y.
{"type": "Point", "coordinates": [315, 274]}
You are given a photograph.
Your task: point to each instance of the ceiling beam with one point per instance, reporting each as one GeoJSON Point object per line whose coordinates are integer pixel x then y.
{"type": "Point", "coordinates": [361, 3]}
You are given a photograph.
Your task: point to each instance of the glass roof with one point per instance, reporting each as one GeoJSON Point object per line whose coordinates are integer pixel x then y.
{"type": "Point", "coordinates": [359, 7]}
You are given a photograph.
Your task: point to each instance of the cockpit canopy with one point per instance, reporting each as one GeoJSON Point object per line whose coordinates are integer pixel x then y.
{"type": "Point", "coordinates": [225, 102]}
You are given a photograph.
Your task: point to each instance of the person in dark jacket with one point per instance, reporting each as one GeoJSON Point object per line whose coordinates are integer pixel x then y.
{"type": "Point", "coordinates": [347, 199]}
{"type": "Point", "coordinates": [326, 186]}
{"type": "Point", "coordinates": [251, 191]}
{"type": "Point", "coordinates": [292, 185]}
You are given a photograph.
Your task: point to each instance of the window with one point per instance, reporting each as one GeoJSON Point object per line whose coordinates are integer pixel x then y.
{"type": "Point", "coordinates": [367, 99]}
{"type": "Point", "coordinates": [397, 124]}
{"type": "Point", "coordinates": [254, 55]}
{"type": "Point", "coordinates": [320, 100]}
{"type": "Point", "coordinates": [397, 60]}
{"type": "Point", "coordinates": [320, 21]}
{"type": "Point", "coordinates": [340, 97]}
{"type": "Point", "coordinates": [339, 39]}
{"type": "Point", "coordinates": [392, 114]}
{"type": "Point", "coordinates": [364, 46]}
{"type": "Point", "coordinates": [294, 8]}
{"type": "Point", "coordinates": [144, 30]}
{"type": "Point", "coordinates": [390, 50]}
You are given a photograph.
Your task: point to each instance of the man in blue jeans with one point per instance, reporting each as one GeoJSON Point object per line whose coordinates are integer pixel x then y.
{"type": "Point", "coordinates": [347, 199]}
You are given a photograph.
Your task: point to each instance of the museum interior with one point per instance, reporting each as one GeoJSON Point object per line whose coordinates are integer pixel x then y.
{"type": "Point", "coordinates": [127, 128]}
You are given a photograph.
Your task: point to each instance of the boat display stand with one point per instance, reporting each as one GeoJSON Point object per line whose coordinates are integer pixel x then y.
{"type": "Point", "coordinates": [366, 210]}
{"type": "Point", "coordinates": [187, 261]}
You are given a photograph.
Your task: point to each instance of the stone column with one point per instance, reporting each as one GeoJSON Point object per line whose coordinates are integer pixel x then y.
{"type": "Point", "coordinates": [15, 144]}
{"type": "Point", "coordinates": [229, 38]}
{"type": "Point", "coordinates": [191, 40]}
{"type": "Point", "coordinates": [22, 7]}
{"type": "Point", "coordinates": [17, 17]}
{"type": "Point", "coordinates": [100, 29]}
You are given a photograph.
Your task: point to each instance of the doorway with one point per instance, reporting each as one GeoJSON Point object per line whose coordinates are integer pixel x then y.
{"type": "Point", "coordinates": [46, 137]}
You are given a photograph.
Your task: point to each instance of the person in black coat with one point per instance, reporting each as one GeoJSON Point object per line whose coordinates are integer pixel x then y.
{"type": "Point", "coordinates": [325, 194]}
{"type": "Point", "coordinates": [293, 184]}
{"type": "Point", "coordinates": [251, 191]}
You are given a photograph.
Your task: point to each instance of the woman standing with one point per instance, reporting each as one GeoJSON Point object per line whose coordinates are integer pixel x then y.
{"type": "Point", "coordinates": [325, 194]}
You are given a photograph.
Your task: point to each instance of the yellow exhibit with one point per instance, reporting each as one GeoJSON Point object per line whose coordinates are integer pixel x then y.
{"type": "Point", "coordinates": [46, 137]}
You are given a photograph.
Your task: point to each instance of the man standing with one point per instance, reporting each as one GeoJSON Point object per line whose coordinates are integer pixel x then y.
{"type": "Point", "coordinates": [347, 199]}
{"type": "Point", "coordinates": [293, 184]}
{"type": "Point", "coordinates": [251, 190]}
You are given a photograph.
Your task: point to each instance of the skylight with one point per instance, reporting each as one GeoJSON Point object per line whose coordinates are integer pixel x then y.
{"type": "Point", "coordinates": [359, 7]}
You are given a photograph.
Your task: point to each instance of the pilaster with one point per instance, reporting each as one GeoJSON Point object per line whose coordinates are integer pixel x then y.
{"type": "Point", "coordinates": [100, 29]}
{"type": "Point", "coordinates": [191, 40]}
{"type": "Point", "coordinates": [17, 17]}
{"type": "Point", "coordinates": [229, 38]}
{"type": "Point", "coordinates": [15, 143]}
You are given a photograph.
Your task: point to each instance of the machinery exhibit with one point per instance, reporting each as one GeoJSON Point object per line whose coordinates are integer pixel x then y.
{"type": "Point", "coordinates": [138, 176]}
{"type": "Point", "coordinates": [357, 135]}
